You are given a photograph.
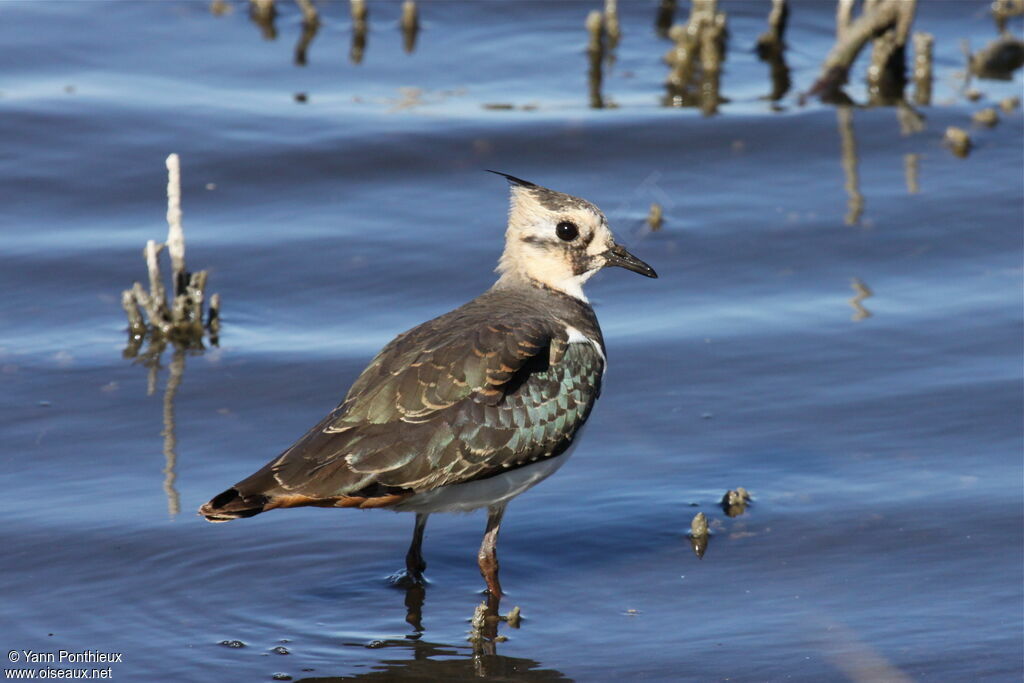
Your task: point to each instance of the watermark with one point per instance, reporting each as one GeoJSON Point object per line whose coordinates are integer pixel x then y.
{"type": "Point", "coordinates": [67, 664]}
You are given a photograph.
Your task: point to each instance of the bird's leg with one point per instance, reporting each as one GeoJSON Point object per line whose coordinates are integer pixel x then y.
{"type": "Point", "coordinates": [488, 555]}
{"type": "Point", "coordinates": [414, 563]}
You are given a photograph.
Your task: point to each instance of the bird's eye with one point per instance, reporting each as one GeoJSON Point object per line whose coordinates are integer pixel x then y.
{"type": "Point", "coordinates": [567, 231]}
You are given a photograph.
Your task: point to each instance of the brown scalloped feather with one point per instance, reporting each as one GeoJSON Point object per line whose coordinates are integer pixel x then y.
{"type": "Point", "coordinates": [486, 388]}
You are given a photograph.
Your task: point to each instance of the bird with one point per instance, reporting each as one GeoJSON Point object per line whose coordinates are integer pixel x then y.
{"type": "Point", "coordinates": [470, 409]}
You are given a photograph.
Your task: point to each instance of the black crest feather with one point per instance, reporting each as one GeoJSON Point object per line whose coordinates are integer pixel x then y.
{"type": "Point", "coordinates": [512, 179]}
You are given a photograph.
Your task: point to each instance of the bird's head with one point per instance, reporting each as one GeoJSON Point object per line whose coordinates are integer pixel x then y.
{"type": "Point", "coordinates": [558, 240]}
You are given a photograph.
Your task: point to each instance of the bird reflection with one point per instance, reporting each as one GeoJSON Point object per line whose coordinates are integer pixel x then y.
{"type": "Point", "coordinates": [423, 660]}
{"type": "Point", "coordinates": [419, 660]}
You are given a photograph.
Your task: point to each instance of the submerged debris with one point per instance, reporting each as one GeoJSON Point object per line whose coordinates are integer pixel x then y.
{"type": "Point", "coordinates": [958, 140]}
{"type": "Point", "coordinates": [735, 501]}
{"type": "Point", "coordinates": [999, 59]}
{"type": "Point", "coordinates": [478, 624]}
{"type": "Point", "coordinates": [699, 534]}
{"type": "Point", "coordinates": [986, 117]}
{"type": "Point", "coordinates": [655, 217]}
{"type": "Point", "coordinates": [1010, 104]}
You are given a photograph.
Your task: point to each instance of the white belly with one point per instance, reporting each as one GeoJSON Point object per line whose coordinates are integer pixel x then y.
{"type": "Point", "coordinates": [477, 494]}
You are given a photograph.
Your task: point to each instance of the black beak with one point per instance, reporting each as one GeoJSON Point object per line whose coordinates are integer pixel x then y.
{"type": "Point", "coordinates": [618, 256]}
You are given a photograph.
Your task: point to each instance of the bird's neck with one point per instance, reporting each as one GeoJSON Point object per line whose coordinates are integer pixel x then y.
{"type": "Point", "coordinates": [571, 286]}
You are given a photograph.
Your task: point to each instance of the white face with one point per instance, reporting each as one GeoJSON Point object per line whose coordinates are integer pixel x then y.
{"type": "Point", "coordinates": [555, 239]}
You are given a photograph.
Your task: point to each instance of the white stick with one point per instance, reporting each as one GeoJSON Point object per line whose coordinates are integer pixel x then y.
{"type": "Point", "coordinates": [175, 234]}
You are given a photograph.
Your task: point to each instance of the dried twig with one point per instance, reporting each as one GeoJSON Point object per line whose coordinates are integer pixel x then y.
{"type": "Point", "coordinates": [148, 311]}
{"type": "Point", "coordinates": [880, 16]}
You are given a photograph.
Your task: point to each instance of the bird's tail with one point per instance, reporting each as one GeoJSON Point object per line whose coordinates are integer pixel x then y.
{"type": "Point", "coordinates": [232, 504]}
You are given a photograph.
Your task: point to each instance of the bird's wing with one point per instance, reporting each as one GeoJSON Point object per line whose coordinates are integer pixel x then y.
{"type": "Point", "coordinates": [444, 403]}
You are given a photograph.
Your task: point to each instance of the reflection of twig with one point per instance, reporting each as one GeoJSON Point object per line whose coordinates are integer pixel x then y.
{"type": "Point", "coordinates": [923, 43]}
{"type": "Point", "coordinates": [911, 166]}
{"type": "Point", "coordinates": [410, 25]}
{"type": "Point", "coordinates": [595, 57]}
{"type": "Point", "coordinates": [151, 376]}
{"type": "Point", "coordinates": [263, 14]}
{"type": "Point", "coordinates": [177, 371]}
{"type": "Point", "coordinates": [861, 292]}
{"type": "Point", "coordinates": [219, 8]}
{"type": "Point", "coordinates": [910, 119]}
{"type": "Point", "coordinates": [612, 29]}
{"type": "Point", "coordinates": [310, 25]}
{"type": "Point", "coordinates": [844, 116]}
{"type": "Point", "coordinates": [359, 29]}
{"type": "Point", "coordinates": [666, 15]}
{"type": "Point", "coordinates": [771, 48]}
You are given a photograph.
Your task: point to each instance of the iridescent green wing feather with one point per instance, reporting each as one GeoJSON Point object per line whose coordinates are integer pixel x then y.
{"type": "Point", "coordinates": [449, 401]}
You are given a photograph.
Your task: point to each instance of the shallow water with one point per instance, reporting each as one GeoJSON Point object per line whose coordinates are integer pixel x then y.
{"type": "Point", "coordinates": [882, 445]}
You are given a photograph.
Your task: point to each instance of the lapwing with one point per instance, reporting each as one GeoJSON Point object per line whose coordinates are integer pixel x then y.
{"type": "Point", "coordinates": [470, 409]}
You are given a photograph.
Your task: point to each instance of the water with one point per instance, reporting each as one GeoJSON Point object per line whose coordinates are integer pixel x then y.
{"type": "Point", "coordinates": [882, 447]}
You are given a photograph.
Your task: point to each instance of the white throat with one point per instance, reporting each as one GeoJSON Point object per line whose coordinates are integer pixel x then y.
{"type": "Point", "coordinates": [570, 286]}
